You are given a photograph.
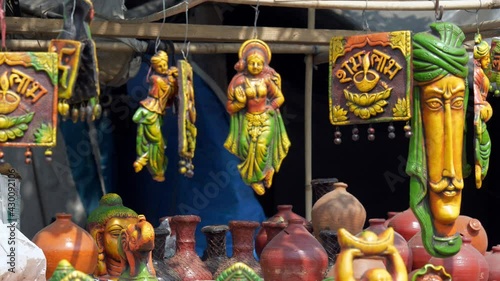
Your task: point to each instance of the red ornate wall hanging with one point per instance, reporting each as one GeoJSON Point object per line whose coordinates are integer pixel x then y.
{"type": "Point", "coordinates": [28, 99]}
{"type": "Point", "coordinates": [370, 78]}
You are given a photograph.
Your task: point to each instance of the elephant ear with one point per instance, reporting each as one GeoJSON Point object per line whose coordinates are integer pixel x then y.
{"type": "Point", "coordinates": [123, 245]}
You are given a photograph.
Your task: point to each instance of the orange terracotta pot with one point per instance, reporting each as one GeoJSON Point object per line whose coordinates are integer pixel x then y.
{"type": "Point", "coordinates": [473, 229]}
{"type": "Point", "coordinates": [63, 239]}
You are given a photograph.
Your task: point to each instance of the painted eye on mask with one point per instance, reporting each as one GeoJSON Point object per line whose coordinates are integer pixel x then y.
{"type": "Point", "coordinates": [434, 103]}
{"type": "Point", "coordinates": [457, 103]}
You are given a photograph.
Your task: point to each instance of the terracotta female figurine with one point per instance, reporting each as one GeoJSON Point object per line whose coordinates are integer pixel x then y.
{"type": "Point", "coordinates": [257, 133]}
{"type": "Point", "coordinates": [105, 224]}
{"type": "Point", "coordinates": [482, 109]}
{"type": "Point", "coordinates": [436, 148]}
{"type": "Point", "coordinates": [149, 117]}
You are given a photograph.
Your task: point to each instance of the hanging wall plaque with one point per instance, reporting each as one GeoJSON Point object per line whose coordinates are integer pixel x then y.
{"type": "Point", "coordinates": [187, 118]}
{"type": "Point", "coordinates": [28, 99]}
{"type": "Point", "coordinates": [370, 78]}
{"type": "Point", "coordinates": [494, 72]}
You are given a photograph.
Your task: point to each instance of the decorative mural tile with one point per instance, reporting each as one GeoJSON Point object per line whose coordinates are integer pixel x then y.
{"type": "Point", "coordinates": [187, 118]}
{"type": "Point", "coordinates": [28, 99]}
{"type": "Point", "coordinates": [370, 78]}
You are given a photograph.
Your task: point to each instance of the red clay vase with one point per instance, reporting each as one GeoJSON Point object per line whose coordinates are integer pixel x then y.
{"type": "Point", "coordinates": [294, 255]}
{"type": "Point", "coordinates": [390, 216]}
{"type": "Point", "coordinates": [186, 263]}
{"type": "Point", "coordinates": [405, 223]}
{"type": "Point", "coordinates": [338, 209]}
{"type": "Point", "coordinates": [284, 214]}
{"type": "Point", "coordinates": [215, 253]}
{"type": "Point", "coordinates": [464, 265]}
{"type": "Point", "coordinates": [493, 261]}
{"type": "Point", "coordinates": [242, 233]}
{"type": "Point", "coordinates": [473, 229]}
{"type": "Point", "coordinates": [420, 256]}
{"type": "Point", "coordinates": [63, 239]}
{"type": "Point", "coordinates": [377, 226]}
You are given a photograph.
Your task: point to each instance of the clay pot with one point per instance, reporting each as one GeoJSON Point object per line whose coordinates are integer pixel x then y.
{"type": "Point", "coordinates": [377, 226]}
{"type": "Point", "coordinates": [464, 265]}
{"type": "Point", "coordinates": [321, 187]}
{"type": "Point", "coordinates": [390, 216]}
{"type": "Point", "coordinates": [284, 214]}
{"type": "Point", "coordinates": [472, 228]}
{"type": "Point", "coordinates": [272, 229]}
{"type": "Point", "coordinates": [242, 233]}
{"type": "Point", "coordinates": [493, 261]}
{"type": "Point", "coordinates": [186, 263]}
{"type": "Point", "coordinates": [63, 239]}
{"type": "Point", "coordinates": [215, 253]}
{"type": "Point", "coordinates": [294, 255]}
{"type": "Point", "coordinates": [420, 256]}
{"type": "Point", "coordinates": [405, 223]}
{"type": "Point", "coordinates": [329, 240]}
{"type": "Point", "coordinates": [338, 209]}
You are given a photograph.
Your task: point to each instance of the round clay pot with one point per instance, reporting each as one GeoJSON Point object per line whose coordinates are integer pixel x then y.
{"type": "Point", "coordinates": [493, 261]}
{"type": "Point", "coordinates": [405, 223]}
{"type": "Point", "coordinates": [377, 226]}
{"type": "Point", "coordinates": [472, 228]}
{"type": "Point", "coordinates": [390, 216]}
{"type": "Point", "coordinates": [338, 209]}
{"type": "Point", "coordinates": [420, 256]}
{"type": "Point", "coordinates": [464, 265]}
{"type": "Point", "coordinates": [284, 214]}
{"type": "Point", "coordinates": [63, 239]}
{"type": "Point", "coordinates": [294, 255]}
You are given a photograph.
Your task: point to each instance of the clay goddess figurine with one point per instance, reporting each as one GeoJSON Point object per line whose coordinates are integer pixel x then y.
{"type": "Point", "coordinates": [257, 133]}
{"type": "Point", "coordinates": [436, 148]}
{"type": "Point", "coordinates": [135, 245]}
{"type": "Point", "coordinates": [105, 224]}
{"type": "Point", "coordinates": [150, 144]}
{"type": "Point", "coordinates": [482, 109]}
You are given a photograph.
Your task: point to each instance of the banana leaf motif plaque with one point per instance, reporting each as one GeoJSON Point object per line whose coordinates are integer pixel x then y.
{"type": "Point", "coordinates": [370, 78]}
{"type": "Point", "coordinates": [28, 99]}
{"type": "Point", "coordinates": [187, 118]}
{"type": "Point", "coordinates": [494, 73]}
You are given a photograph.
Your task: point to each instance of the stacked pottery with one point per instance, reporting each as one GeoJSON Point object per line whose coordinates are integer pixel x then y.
{"type": "Point", "coordinates": [473, 229]}
{"type": "Point", "coordinates": [215, 254]}
{"type": "Point", "coordinates": [493, 261]}
{"type": "Point", "coordinates": [185, 262]}
{"type": "Point", "coordinates": [405, 223]}
{"type": "Point", "coordinates": [284, 214]}
{"type": "Point", "coordinates": [377, 226]}
{"type": "Point", "coordinates": [242, 233]}
{"type": "Point", "coordinates": [63, 239]}
{"type": "Point", "coordinates": [294, 255]}
{"type": "Point", "coordinates": [338, 209]}
{"type": "Point", "coordinates": [419, 254]}
{"type": "Point", "coordinates": [464, 265]}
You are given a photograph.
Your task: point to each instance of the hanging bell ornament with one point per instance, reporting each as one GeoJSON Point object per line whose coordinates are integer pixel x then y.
{"type": "Point", "coordinates": [355, 133]}
{"type": "Point", "coordinates": [97, 111]}
{"type": "Point", "coordinates": [74, 114]}
{"type": "Point", "coordinates": [2, 154]}
{"type": "Point", "coordinates": [338, 135]}
{"type": "Point", "coordinates": [371, 133]}
{"type": "Point", "coordinates": [83, 112]}
{"type": "Point", "coordinates": [391, 130]}
{"type": "Point", "coordinates": [408, 132]}
{"type": "Point", "coordinates": [48, 155]}
{"type": "Point", "coordinates": [28, 155]}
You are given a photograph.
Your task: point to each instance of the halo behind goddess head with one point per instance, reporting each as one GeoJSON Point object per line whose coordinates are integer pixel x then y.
{"type": "Point", "coordinates": [250, 46]}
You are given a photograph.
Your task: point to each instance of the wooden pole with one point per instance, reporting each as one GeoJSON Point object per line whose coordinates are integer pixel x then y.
{"type": "Point", "coordinates": [311, 17]}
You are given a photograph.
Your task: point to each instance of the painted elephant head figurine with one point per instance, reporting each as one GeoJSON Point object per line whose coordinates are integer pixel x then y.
{"type": "Point", "coordinates": [136, 243]}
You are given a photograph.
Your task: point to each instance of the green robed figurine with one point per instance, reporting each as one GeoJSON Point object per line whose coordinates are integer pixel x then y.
{"type": "Point", "coordinates": [435, 161]}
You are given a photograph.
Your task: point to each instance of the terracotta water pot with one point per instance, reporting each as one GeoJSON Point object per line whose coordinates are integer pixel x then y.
{"type": "Point", "coordinates": [215, 253]}
{"type": "Point", "coordinates": [284, 214]}
{"type": "Point", "coordinates": [405, 223]}
{"type": "Point", "coordinates": [185, 262]}
{"type": "Point", "coordinates": [420, 256]}
{"type": "Point", "coordinates": [294, 255]}
{"type": "Point", "coordinates": [337, 209]}
{"type": "Point", "coordinates": [464, 265]}
{"type": "Point", "coordinates": [493, 261]}
{"type": "Point", "coordinates": [473, 229]}
{"type": "Point", "coordinates": [377, 226]}
{"type": "Point", "coordinates": [63, 239]}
